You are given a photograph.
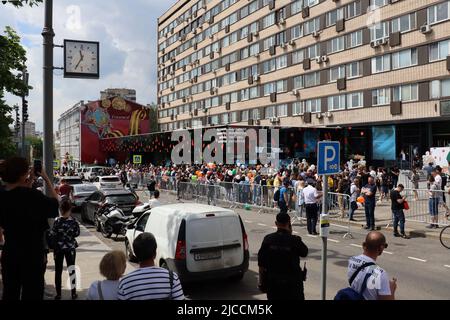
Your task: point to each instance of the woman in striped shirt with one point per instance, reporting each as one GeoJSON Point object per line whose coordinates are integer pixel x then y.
{"type": "Point", "coordinates": [149, 282]}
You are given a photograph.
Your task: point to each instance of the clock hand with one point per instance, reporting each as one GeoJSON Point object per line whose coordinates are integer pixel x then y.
{"type": "Point", "coordinates": [78, 63]}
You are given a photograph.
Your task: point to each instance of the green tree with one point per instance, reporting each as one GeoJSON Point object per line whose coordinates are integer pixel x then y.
{"type": "Point", "coordinates": [37, 145]}
{"type": "Point", "coordinates": [21, 3]}
{"type": "Point", "coordinates": [12, 62]}
{"type": "Point", "coordinates": [153, 114]}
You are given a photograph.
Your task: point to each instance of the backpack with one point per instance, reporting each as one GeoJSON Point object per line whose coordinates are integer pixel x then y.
{"type": "Point", "coordinates": [351, 294]}
{"type": "Point", "coordinates": [276, 196]}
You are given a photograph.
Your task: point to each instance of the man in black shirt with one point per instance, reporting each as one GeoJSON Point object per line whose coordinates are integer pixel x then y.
{"type": "Point", "coordinates": [369, 191]}
{"type": "Point", "coordinates": [279, 262]}
{"type": "Point", "coordinates": [397, 205]}
{"type": "Point", "coordinates": [24, 215]}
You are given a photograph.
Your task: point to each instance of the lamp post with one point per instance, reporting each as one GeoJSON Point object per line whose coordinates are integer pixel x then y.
{"type": "Point", "coordinates": [48, 34]}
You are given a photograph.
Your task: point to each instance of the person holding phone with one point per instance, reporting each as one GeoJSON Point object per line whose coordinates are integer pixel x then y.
{"type": "Point", "coordinates": [24, 218]}
{"type": "Point", "coordinates": [280, 274]}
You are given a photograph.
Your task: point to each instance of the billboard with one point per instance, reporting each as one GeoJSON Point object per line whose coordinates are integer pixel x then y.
{"type": "Point", "coordinates": [109, 118]}
{"type": "Point", "coordinates": [441, 157]}
{"type": "Point", "coordinates": [383, 142]}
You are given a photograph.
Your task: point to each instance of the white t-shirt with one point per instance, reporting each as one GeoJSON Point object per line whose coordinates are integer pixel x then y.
{"type": "Point", "coordinates": [154, 203]}
{"type": "Point", "coordinates": [109, 290]}
{"type": "Point", "coordinates": [438, 181]}
{"type": "Point", "coordinates": [353, 193]}
{"type": "Point", "coordinates": [378, 282]}
{"type": "Point", "coordinates": [310, 193]}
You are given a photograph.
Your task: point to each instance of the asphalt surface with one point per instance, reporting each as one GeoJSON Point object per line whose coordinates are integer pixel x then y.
{"type": "Point", "coordinates": [421, 265]}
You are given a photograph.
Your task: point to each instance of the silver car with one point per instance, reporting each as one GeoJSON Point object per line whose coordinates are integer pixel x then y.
{"type": "Point", "coordinates": [81, 192]}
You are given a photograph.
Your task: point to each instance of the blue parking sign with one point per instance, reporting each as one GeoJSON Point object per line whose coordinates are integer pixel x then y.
{"type": "Point", "coordinates": [328, 160]}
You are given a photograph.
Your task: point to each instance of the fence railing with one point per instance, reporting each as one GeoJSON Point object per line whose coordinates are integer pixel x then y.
{"type": "Point", "coordinates": [424, 204]}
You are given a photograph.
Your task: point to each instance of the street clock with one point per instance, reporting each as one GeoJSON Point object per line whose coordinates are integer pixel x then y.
{"type": "Point", "coordinates": [81, 59]}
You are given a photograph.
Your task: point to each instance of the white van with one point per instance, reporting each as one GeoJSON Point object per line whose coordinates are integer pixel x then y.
{"type": "Point", "coordinates": [196, 241]}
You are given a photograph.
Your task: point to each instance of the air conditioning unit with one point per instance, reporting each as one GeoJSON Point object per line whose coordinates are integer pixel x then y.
{"type": "Point", "coordinates": [292, 42]}
{"type": "Point", "coordinates": [256, 55]}
{"type": "Point", "coordinates": [215, 90]}
{"type": "Point", "coordinates": [256, 34]}
{"type": "Point", "coordinates": [328, 114]}
{"type": "Point", "coordinates": [211, 36]}
{"type": "Point", "coordinates": [296, 92]}
{"type": "Point", "coordinates": [316, 34]}
{"type": "Point", "coordinates": [256, 78]}
{"type": "Point", "coordinates": [426, 28]}
{"type": "Point", "coordinates": [282, 21]}
{"type": "Point", "coordinates": [318, 60]}
{"type": "Point", "coordinates": [384, 41]}
{"type": "Point", "coordinates": [319, 116]}
{"type": "Point", "coordinates": [375, 44]}
{"type": "Point", "coordinates": [274, 120]}
{"type": "Point", "coordinates": [191, 81]}
{"type": "Point", "coordinates": [282, 45]}
{"type": "Point", "coordinates": [324, 58]}
{"type": "Point", "coordinates": [218, 50]}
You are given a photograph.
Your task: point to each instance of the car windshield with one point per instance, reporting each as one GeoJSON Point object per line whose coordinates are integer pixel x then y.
{"type": "Point", "coordinates": [74, 181]}
{"type": "Point", "coordinates": [85, 188]}
{"type": "Point", "coordinates": [111, 179]}
{"type": "Point", "coordinates": [121, 198]}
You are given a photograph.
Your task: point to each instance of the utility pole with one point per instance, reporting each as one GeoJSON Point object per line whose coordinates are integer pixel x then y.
{"type": "Point", "coordinates": [17, 126]}
{"type": "Point", "coordinates": [48, 34]}
{"type": "Point", "coordinates": [25, 77]}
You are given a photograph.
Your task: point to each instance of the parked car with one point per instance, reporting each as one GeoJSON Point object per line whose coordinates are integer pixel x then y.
{"type": "Point", "coordinates": [81, 192]}
{"type": "Point", "coordinates": [108, 182]}
{"type": "Point", "coordinates": [93, 172]}
{"type": "Point", "coordinates": [196, 241]}
{"type": "Point", "coordinates": [124, 199]}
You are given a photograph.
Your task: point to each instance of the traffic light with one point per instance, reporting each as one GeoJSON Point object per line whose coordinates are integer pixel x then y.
{"type": "Point", "coordinates": [25, 110]}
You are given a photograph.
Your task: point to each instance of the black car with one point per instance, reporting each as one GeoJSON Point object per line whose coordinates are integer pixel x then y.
{"type": "Point", "coordinates": [124, 199]}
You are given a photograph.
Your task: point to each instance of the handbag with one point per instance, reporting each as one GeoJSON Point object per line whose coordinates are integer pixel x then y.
{"type": "Point", "coordinates": [405, 205]}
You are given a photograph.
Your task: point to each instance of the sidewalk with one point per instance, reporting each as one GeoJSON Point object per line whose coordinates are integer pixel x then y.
{"type": "Point", "coordinates": [89, 253]}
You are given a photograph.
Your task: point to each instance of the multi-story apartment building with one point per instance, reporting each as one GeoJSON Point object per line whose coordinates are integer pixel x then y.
{"type": "Point", "coordinates": [374, 72]}
{"type": "Point", "coordinates": [69, 133]}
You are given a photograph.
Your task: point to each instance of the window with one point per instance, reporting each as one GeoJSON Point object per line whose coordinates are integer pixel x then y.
{"type": "Point", "coordinates": [313, 105]}
{"type": "Point", "coordinates": [438, 13]}
{"type": "Point", "coordinates": [254, 92]}
{"type": "Point", "coordinates": [297, 57]}
{"type": "Point", "coordinates": [311, 26]}
{"type": "Point", "coordinates": [439, 50]}
{"type": "Point", "coordinates": [405, 93]}
{"type": "Point", "coordinates": [254, 49]}
{"type": "Point", "coordinates": [281, 62]}
{"type": "Point", "coordinates": [267, 43]}
{"type": "Point", "coordinates": [296, 32]}
{"type": "Point", "coordinates": [355, 39]}
{"type": "Point", "coordinates": [336, 103]}
{"type": "Point", "coordinates": [379, 31]}
{"type": "Point", "coordinates": [381, 63]}
{"type": "Point", "coordinates": [378, 3]}
{"type": "Point", "coordinates": [270, 112]}
{"type": "Point", "coordinates": [255, 114]}
{"type": "Point", "coordinates": [282, 110]}
{"type": "Point", "coordinates": [337, 73]}
{"type": "Point", "coordinates": [269, 66]}
{"type": "Point", "coordinates": [404, 58]}
{"type": "Point", "coordinates": [298, 82]}
{"type": "Point", "coordinates": [297, 108]}
{"type": "Point", "coordinates": [245, 94]}
{"type": "Point", "coordinates": [404, 23]}
{"type": "Point", "coordinates": [244, 115]}
{"type": "Point", "coordinates": [381, 97]}
{"type": "Point", "coordinates": [312, 79]}
{"type": "Point", "coordinates": [268, 20]}
{"type": "Point", "coordinates": [234, 116]}
{"type": "Point", "coordinates": [354, 9]}
{"type": "Point", "coordinates": [440, 88]}
{"type": "Point", "coordinates": [269, 88]}
{"type": "Point", "coordinates": [354, 100]}
{"type": "Point", "coordinates": [333, 16]}
{"type": "Point", "coordinates": [281, 86]}
{"type": "Point", "coordinates": [296, 7]}
{"type": "Point", "coordinates": [335, 45]}
{"type": "Point", "coordinates": [353, 70]}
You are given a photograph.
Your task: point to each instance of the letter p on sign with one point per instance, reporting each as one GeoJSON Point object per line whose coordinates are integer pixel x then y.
{"type": "Point", "coordinates": [328, 159]}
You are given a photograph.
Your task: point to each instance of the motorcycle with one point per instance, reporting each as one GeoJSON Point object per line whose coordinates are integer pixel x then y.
{"type": "Point", "coordinates": [111, 220]}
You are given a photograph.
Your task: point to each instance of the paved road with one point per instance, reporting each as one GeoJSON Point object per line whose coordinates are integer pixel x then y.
{"type": "Point", "coordinates": [421, 265]}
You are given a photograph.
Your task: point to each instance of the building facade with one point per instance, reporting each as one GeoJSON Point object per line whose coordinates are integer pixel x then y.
{"type": "Point", "coordinates": [30, 129]}
{"type": "Point", "coordinates": [375, 73]}
{"type": "Point", "coordinates": [69, 135]}
{"type": "Point", "coordinates": [129, 94]}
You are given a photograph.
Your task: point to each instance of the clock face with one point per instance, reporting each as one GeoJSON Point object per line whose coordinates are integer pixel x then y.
{"type": "Point", "coordinates": [81, 59]}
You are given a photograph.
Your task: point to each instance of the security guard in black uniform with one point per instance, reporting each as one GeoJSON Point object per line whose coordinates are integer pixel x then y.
{"type": "Point", "coordinates": [280, 274]}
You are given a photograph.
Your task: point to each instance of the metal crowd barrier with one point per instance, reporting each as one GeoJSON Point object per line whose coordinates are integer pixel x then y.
{"type": "Point", "coordinates": [420, 204]}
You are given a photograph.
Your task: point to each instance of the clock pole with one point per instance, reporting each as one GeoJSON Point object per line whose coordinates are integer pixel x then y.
{"type": "Point", "coordinates": [48, 34]}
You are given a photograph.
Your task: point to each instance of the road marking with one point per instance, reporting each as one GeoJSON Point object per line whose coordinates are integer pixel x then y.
{"type": "Point", "coordinates": [388, 252]}
{"type": "Point", "coordinates": [355, 245]}
{"type": "Point", "coordinates": [262, 224]}
{"type": "Point", "coordinates": [417, 259]}
{"type": "Point", "coordinates": [332, 240]}
{"type": "Point", "coordinates": [311, 236]}
{"type": "Point", "coordinates": [248, 221]}
{"type": "Point", "coordinates": [446, 265]}
{"type": "Point", "coordinates": [295, 232]}
{"type": "Point", "coordinates": [337, 225]}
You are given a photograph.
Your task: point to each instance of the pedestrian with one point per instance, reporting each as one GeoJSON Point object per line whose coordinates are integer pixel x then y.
{"type": "Point", "coordinates": [354, 194]}
{"type": "Point", "coordinates": [284, 197]}
{"type": "Point", "coordinates": [65, 190]}
{"type": "Point", "coordinates": [300, 198]}
{"type": "Point", "coordinates": [112, 267]}
{"type": "Point", "coordinates": [395, 173]}
{"type": "Point", "coordinates": [397, 206]}
{"type": "Point", "coordinates": [64, 232]}
{"type": "Point", "coordinates": [415, 178]}
{"type": "Point", "coordinates": [151, 186]}
{"type": "Point", "coordinates": [280, 274]}
{"type": "Point", "coordinates": [442, 178]}
{"type": "Point", "coordinates": [149, 282]}
{"type": "Point", "coordinates": [433, 202]}
{"type": "Point", "coordinates": [154, 202]}
{"type": "Point", "coordinates": [24, 219]}
{"type": "Point", "coordinates": [369, 191]}
{"type": "Point", "coordinates": [365, 276]}
{"type": "Point", "coordinates": [312, 196]}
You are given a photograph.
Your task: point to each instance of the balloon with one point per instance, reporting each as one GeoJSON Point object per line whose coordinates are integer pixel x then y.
{"type": "Point", "coordinates": [360, 200]}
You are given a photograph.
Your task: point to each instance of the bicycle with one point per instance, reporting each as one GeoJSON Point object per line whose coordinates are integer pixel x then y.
{"type": "Point", "coordinates": [444, 237]}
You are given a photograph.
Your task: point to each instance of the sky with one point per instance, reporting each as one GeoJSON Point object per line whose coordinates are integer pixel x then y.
{"type": "Point", "coordinates": [126, 30]}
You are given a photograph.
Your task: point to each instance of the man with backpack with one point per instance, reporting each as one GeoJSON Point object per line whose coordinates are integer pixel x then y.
{"type": "Point", "coordinates": [367, 280]}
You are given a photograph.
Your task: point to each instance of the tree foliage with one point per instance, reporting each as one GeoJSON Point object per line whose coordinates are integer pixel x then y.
{"type": "Point", "coordinates": [21, 3]}
{"type": "Point", "coordinates": [153, 113]}
{"type": "Point", "coordinates": [37, 145]}
{"type": "Point", "coordinates": [12, 62]}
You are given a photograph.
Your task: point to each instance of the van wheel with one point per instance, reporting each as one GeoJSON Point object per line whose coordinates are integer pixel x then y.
{"type": "Point", "coordinates": [130, 254]}
{"type": "Point", "coordinates": [238, 277]}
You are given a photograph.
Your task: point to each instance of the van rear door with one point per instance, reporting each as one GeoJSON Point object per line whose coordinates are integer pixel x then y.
{"type": "Point", "coordinates": [213, 242]}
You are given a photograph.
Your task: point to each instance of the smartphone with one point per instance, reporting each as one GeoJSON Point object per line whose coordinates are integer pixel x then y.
{"type": "Point", "coordinates": [37, 168]}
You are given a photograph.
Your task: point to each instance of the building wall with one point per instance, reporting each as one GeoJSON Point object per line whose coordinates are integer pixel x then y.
{"type": "Point", "coordinates": [129, 94]}
{"type": "Point", "coordinates": [176, 97]}
{"type": "Point", "coordinates": [69, 134]}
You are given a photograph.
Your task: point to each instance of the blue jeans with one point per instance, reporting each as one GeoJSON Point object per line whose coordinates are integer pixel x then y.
{"type": "Point", "coordinates": [433, 204]}
{"type": "Point", "coordinates": [353, 207]}
{"type": "Point", "coordinates": [399, 217]}
{"type": "Point", "coordinates": [369, 209]}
